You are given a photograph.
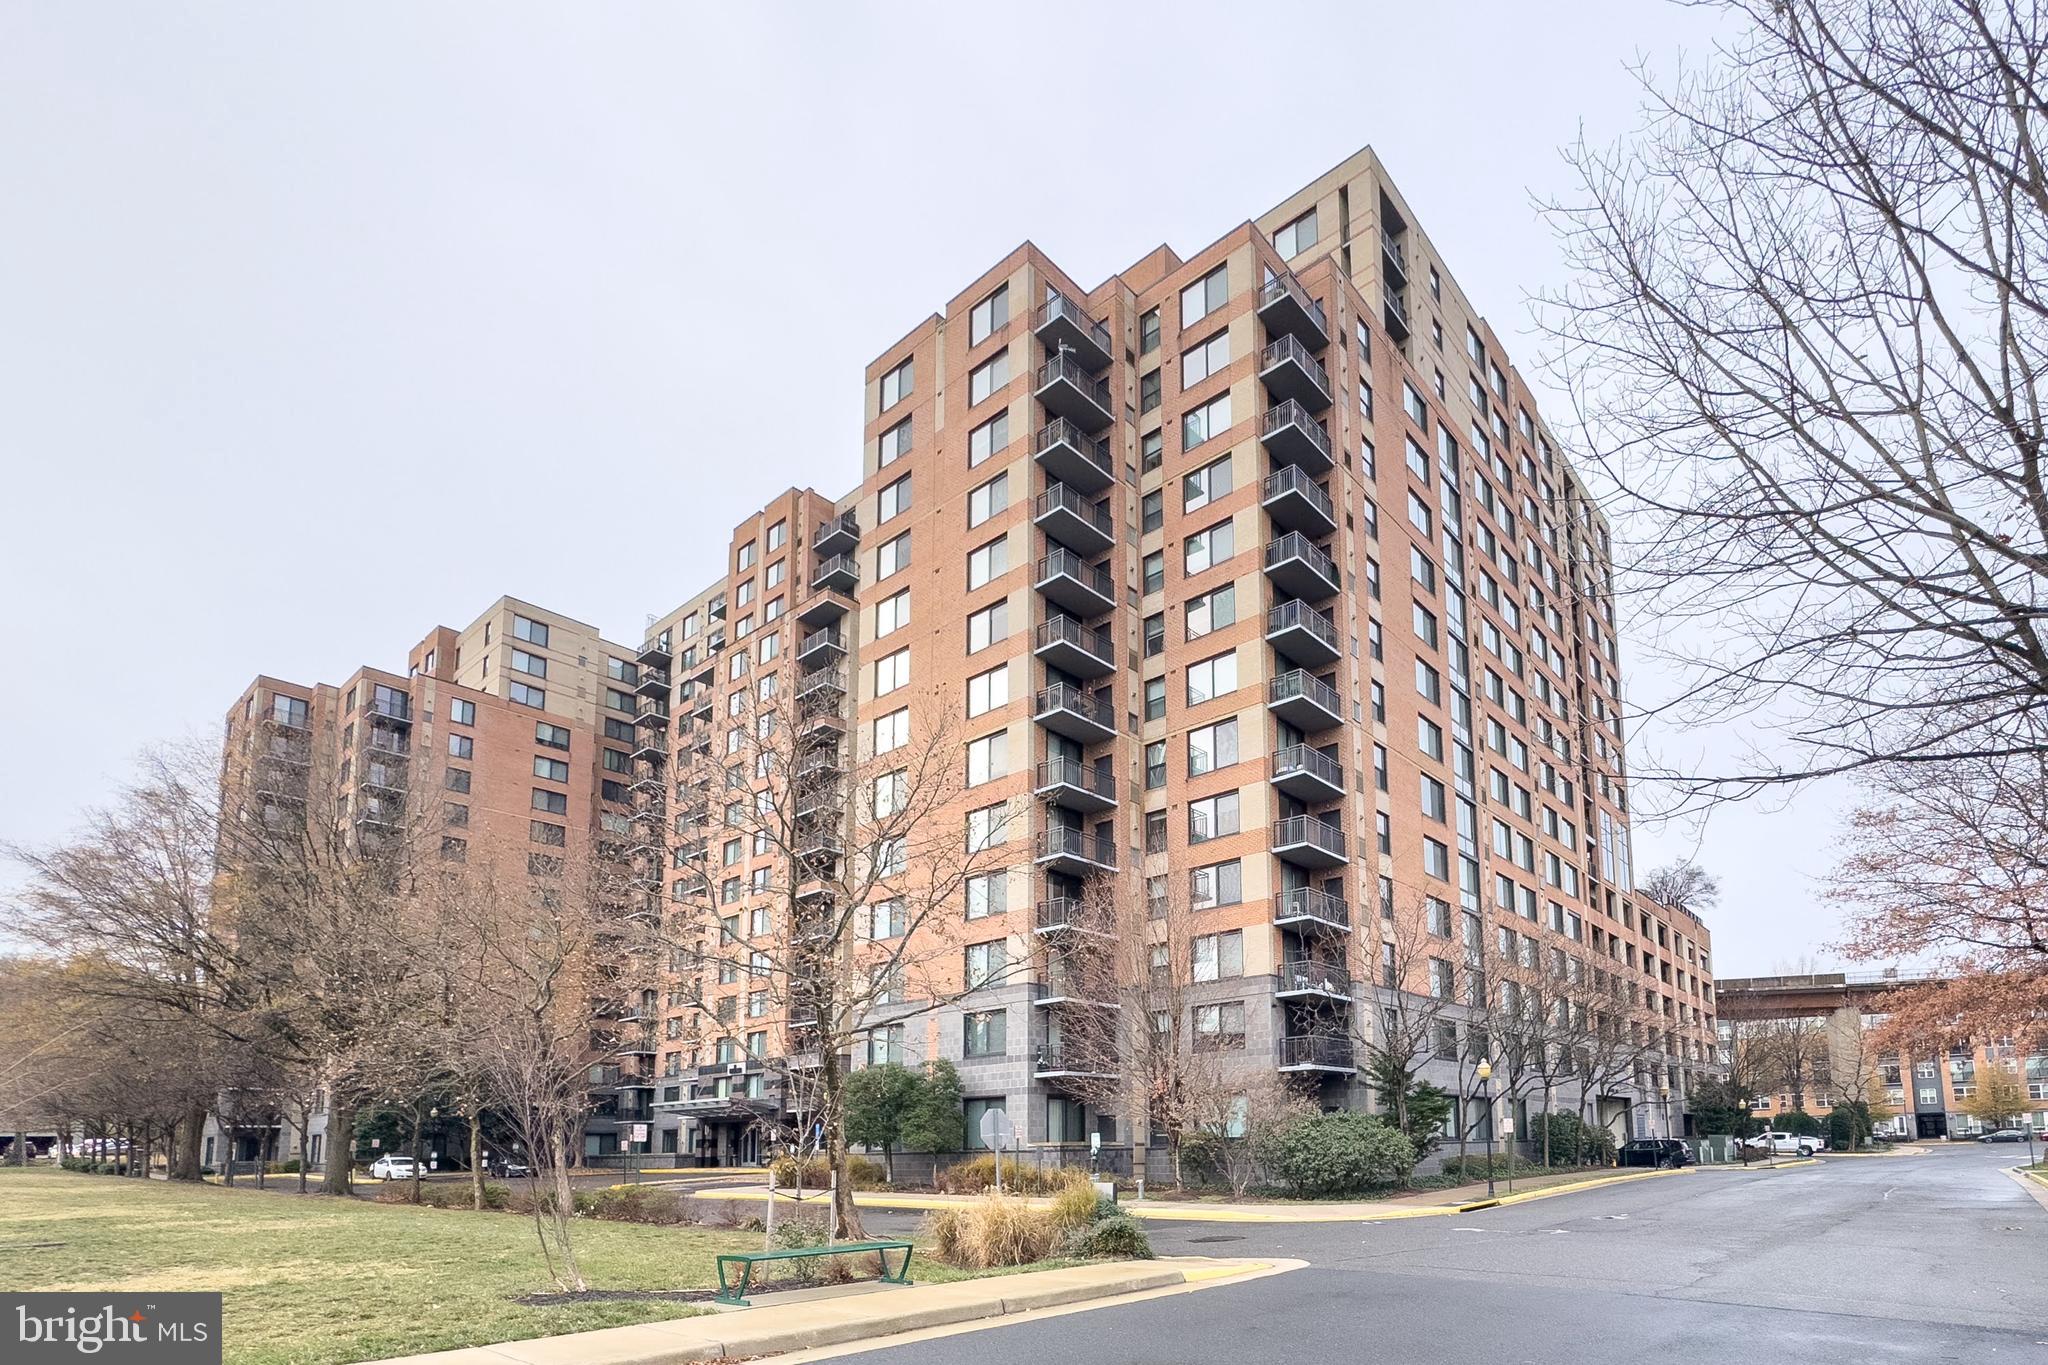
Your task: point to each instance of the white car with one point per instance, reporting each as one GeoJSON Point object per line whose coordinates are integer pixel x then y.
{"type": "Point", "coordinates": [393, 1168]}
{"type": "Point", "coordinates": [1790, 1144]}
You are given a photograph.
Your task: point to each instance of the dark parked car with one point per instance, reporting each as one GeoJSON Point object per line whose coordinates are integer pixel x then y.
{"type": "Point", "coordinates": [2005, 1135]}
{"type": "Point", "coordinates": [1659, 1152]}
{"type": "Point", "coordinates": [506, 1169]}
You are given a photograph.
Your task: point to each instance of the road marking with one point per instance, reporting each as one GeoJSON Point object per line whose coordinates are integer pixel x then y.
{"type": "Point", "coordinates": [1468, 1229]}
{"type": "Point", "coordinates": [1887, 1194]}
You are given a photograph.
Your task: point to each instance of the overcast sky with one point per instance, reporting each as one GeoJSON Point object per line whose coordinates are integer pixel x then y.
{"type": "Point", "coordinates": [295, 299]}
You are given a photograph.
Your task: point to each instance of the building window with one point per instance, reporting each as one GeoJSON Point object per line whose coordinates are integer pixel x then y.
{"type": "Point", "coordinates": [1154, 572]}
{"type": "Point", "coordinates": [553, 802]}
{"type": "Point", "coordinates": [1148, 332]}
{"type": "Point", "coordinates": [987, 563]}
{"type": "Point", "coordinates": [532, 632]}
{"type": "Point", "coordinates": [984, 1033]}
{"type": "Point", "coordinates": [1212, 746]}
{"type": "Point", "coordinates": [1214, 885]}
{"type": "Point", "coordinates": [1204, 296]}
{"type": "Point", "coordinates": [986, 439]}
{"type": "Point", "coordinates": [893, 444]}
{"type": "Point", "coordinates": [987, 500]}
{"type": "Point", "coordinates": [1212, 817]}
{"type": "Point", "coordinates": [1155, 765]}
{"type": "Point", "coordinates": [986, 895]}
{"type": "Point", "coordinates": [1204, 358]}
{"type": "Point", "coordinates": [897, 384]}
{"type": "Point", "coordinates": [461, 746]}
{"type": "Point", "coordinates": [544, 832]}
{"type": "Point", "coordinates": [1217, 957]}
{"type": "Point", "coordinates": [461, 712]}
{"type": "Point", "coordinates": [526, 695]}
{"type": "Point", "coordinates": [1297, 237]}
{"type": "Point", "coordinates": [1220, 1028]}
{"type": "Point", "coordinates": [1149, 390]}
{"type": "Point", "coordinates": [532, 664]}
{"type": "Point", "coordinates": [988, 315]}
{"type": "Point", "coordinates": [1151, 450]}
{"type": "Point", "coordinates": [986, 963]}
{"type": "Point", "coordinates": [988, 758]}
{"type": "Point", "coordinates": [456, 779]}
{"type": "Point", "coordinates": [1155, 699]}
{"type": "Point", "coordinates": [1210, 419]}
{"type": "Point", "coordinates": [892, 672]}
{"type": "Point", "coordinates": [892, 613]}
{"type": "Point", "coordinates": [988, 691]}
{"type": "Point", "coordinates": [1211, 678]}
{"type": "Point", "coordinates": [893, 500]}
{"type": "Point", "coordinates": [988, 626]}
{"type": "Point", "coordinates": [1200, 487]}
{"type": "Point", "coordinates": [1211, 611]}
{"type": "Point", "coordinates": [892, 731]}
{"type": "Point", "coordinates": [1155, 634]}
{"type": "Point", "coordinates": [1207, 548]}
{"type": "Point", "coordinates": [892, 557]}
{"type": "Point", "coordinates": [986, 378]}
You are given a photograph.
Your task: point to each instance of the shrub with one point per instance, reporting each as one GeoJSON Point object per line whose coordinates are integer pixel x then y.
{"type": "Point", "coordinates": [1797, 1122]}
{"type": "Point", "coordinates": [1459, 1169]}
{"type": "Point", "coordinates": [974, 1176]}
{"type": "Point", "coordinates": [1344, 1153]}
{"type": "Point", "coordinates": [1571, 1139]}
{"type": "Point", "coordinates": [817, 1172]}
{"type": "Point", "coordinates": [289, 1166]}
{"type": "Point", "coordinates": [995, 1230]}
{"type": "Point", "coordinates": [1075, 1206]}
{"type": "Point", "coordinates": [1841, 1128]}
{"type": "Point", "coordinates": [1119, 1238]}
{"type": "Point", "coordinates": [795, 1233]}
{"type": "Point", "coordinates": [638, 1204]}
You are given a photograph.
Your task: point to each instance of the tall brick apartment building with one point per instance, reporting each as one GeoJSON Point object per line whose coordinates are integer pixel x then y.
{"type": "Point", "coordinates": [1253, 568]}
{"type": "Point", "coordinates": [1253, 574]}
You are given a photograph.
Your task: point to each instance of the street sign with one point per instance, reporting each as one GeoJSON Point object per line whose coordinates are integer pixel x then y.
{"type": "Point", "coordinates": [1507, 1126]}
{"type": "Point", "coordinates": [639, 1132]}
{"type": "Point", "coordinates": [997, 1132]}
{"type": "Point", "coordinates": [1095, 1143]}
{"type": "Point", "coordinates": [375, 1143]}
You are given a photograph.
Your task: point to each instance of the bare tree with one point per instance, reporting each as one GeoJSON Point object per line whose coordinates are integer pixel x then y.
{"type": "Point", "coordinates": [1806, 341]}
{"type": "Point", "coordinates": [861, 884]}
{"type": "Point", "coordinates": [1411, 1000]}
{"type": "Point", "coordinates": [1684, 886]}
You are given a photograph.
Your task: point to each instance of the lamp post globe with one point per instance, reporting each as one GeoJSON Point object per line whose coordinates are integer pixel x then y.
{"type": "Point", "coordinates": [1485, 1073]}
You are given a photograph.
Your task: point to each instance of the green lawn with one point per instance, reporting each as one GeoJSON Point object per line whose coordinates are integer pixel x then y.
{"type": "Point", "coordinates": [314, 1281]}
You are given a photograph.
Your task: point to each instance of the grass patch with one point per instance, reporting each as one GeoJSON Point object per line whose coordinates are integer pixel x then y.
{"type": "Point", "coordinates": [316, 1281]}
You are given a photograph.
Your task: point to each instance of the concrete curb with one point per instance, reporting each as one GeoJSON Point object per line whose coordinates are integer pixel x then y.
{"type": "Point", "coordinates": [777, 1329]}
{"type": "Point", "coordinates": [2034, 1183]}
{"type": "Point", "coordinates": [1211, 1213]}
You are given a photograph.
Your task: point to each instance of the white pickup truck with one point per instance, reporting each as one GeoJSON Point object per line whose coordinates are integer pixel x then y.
{"type": "Point", "coordinates": [1787, 1144]}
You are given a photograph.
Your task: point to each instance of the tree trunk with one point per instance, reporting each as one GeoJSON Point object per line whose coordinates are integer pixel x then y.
{"type": "Point", "coordinates": [476, 1168]}
{"type": "Point", "coordinates": [305, 1146]}
{"type": "Point", "coordinates": [341, 1146]}
{"type": "Point", "coordinates": [845, 1222]}
{"type": "Point", "coordinates": [187, 1144]}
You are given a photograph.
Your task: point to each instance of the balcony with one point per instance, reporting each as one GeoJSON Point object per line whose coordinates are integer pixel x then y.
{"type": "Point", "coordinates": [827, 646]}
{"type": "Point", "coordinates": [1304, 907]}
{"type": "Point", "coordinates": [653, 711]}
{"type": "Point", "coordinates": [1068, 390]}
{"type": "Point", "coordinates": [1296, 501]}
{"type": "Point", "coordinates": [1074, 520]}
{"type": "Point", "coordinates": [1303, 634]}
{"type": "Point", "coordinates": [1066, 644]}
{"type": "Point", "coordinates": [1292, 436]}
{"type": "Point", "coordinates": [1310, 978]}
{"type": "Point", "coordinates": [1069, 454]}
{"type": "Point", "coordinates": [1317, 1052]}
{"type": "Point", "coordinates": [1074, 852]}
{"type": "Point", "coordinates": [822, 609]}
{"type": "Point", "coordinates": [822, 716]}
{"type": "Point", "coordinates": [1299, 567]}
{"type": "Point", "coordinates": [1287, 310]}
{"type": "Point", "coordinates": [1396, 263]}
{"type": "Point", "coordinates": [1304, 701]}
{"type": "Point", "coordinates": [817, 841]}
{"type": "Point", "coordinates": [822, 683]}
{"type": "Point", "coordinates": [836, 573]}
{"type": "Point", "coordinates": [1064, 325]}
{"type": "Point", "coordinates": [653, 682]}
{"type": "Point", "coordinates": [651, 746]}
{"type": "Point", "coordinates": [1055, 1059]}
{"type": "Point", "coordinates": [1066, 986]}
{"type": "Point", "coordinates": [1307, 774]}
{"type": "Point", "coordinates": [657, 652]}
{"type": "Point", "coordinates": [1067, 915]}
{"type": "Point", "coordinates": [837, 536]}
{"type": "Point", "coordinates": [1396, 314]}
{"type": "Point", "coordinates": [1289, 371]}
{"type": "Point", "coordinates": [1081, 715]}
{"type": "Point", "coordinates": [1075, 785]}
{"type": "Point", "coordinates": [1072, 582]}
{"type": "Point", "coordinates": [818, 762]}
{"type": "Point", "coordinates": [1309, 841]}
{"type": "Point", "coordinates": [397, 712]}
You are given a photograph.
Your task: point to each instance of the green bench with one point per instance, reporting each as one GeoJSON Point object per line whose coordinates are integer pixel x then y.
{"type": "Point", "coordinates": [735, 1294]}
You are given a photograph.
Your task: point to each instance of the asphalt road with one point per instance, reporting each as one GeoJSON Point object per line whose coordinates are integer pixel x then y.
{"type": "Point", "coordinates": [1908, 1259]}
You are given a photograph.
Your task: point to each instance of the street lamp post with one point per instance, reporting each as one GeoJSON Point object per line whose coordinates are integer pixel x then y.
{"type": "Point", "coordinates": [1664, 1103]}
{"type": "Point", "coordinates": [1486, 1097]}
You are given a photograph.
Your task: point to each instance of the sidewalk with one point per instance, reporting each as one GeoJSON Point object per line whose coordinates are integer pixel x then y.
{"type": "Point", "coordinates": [1421, 1204]}
{"type": "Point", "coordinates": [775, 1328]}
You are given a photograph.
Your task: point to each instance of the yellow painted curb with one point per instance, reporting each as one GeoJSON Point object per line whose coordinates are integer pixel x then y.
{"type": "Point", "coordinates": [1223, 1270]}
